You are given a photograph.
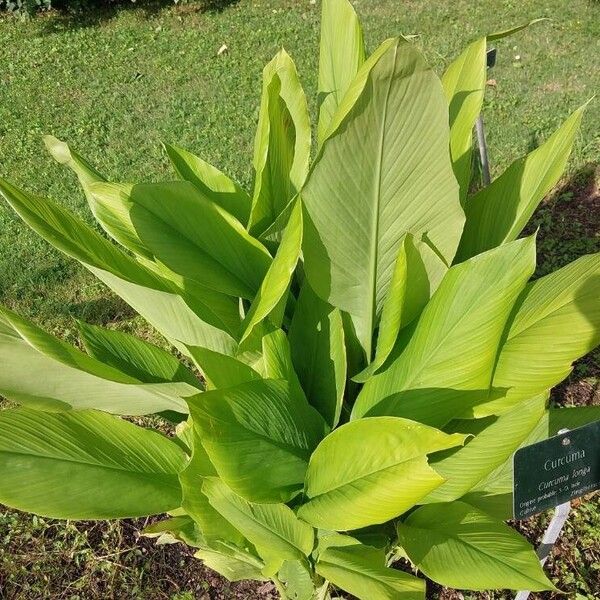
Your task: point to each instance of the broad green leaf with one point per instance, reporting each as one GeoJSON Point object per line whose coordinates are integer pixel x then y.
{"type": "Point", "coordinates": [370, 471]}
{"type": "Point", "coordinates": [461, 547]}
{"type": "Point", "coordinates": [134, 356]}
{"type": "Point", "coordinates": [191, 234]}
{"type": "Point", "coordinates": [498, 213]}
{"type": "Point", "coordinates": [113, 217]}
{"type": "Point", "coordinates": [413, 282]}
{"type": "Point", "coordinates": [211, 182]}
{"type": "Point", "coordinates": [316, 337]}
{"type": "Point", "coordinates": [72, 236]}
{"type": "Point", "coordinates": [278, 362]}
{"type": "Point", "coordinates": [24, 330]}
{"type": "Point", "coordinates": [274, 529]}
{"type": "Point", "coordinates": [210, 322]}
{"type": "Point", "coordinates": [555, 321]}
{"type": "Point", "coordinates": [66, 378]}
{"type": "Point", "coordinates": [212, 525]}
{"type": "Point", "coordinates": [176, 529]}
{"type": "Point", "coordinates": [220, 370]}
{"type": "Point", "coordinates": [448, 362]}
{"type": "Point", "coordinates": [464, 86]}
{"type": "Point", "coordinates": [359, 205]}
{"type": "Point", "coordinates": [235, 565]}
{"type": "Point", "coordinates": [331, 539]}
{"type": "Point", "coordinates": [86, 465]}
{"type": "Point", "coordinates": [282, 143]}
{"type": "Point", "coordinates": [493, 444]}
{"type": "Point", "coordinates": [277, 280]}
{"type": "Point", "coordinates": [297, 580]}
{"type": "Point", "coordinates": [259, 437]}
{"type": "Point", "coordinates": [494, 494]}
{"type": "Point", "coordinates": [342, 52]}
{"type": "Point", "coordinates": [361, 571]}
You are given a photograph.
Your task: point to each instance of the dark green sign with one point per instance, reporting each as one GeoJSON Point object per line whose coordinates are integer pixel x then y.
{"type": "Point", "coordinates": [556, 470]}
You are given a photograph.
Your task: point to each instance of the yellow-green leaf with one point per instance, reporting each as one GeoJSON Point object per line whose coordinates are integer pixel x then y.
{"type": "Point", "coordinates": [371, 470]}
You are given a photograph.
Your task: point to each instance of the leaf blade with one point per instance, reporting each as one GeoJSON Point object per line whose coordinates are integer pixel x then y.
{"type": "Point", "coordinates": [131, 471]}
{"type": "Point", "coordinates": [491, 555]}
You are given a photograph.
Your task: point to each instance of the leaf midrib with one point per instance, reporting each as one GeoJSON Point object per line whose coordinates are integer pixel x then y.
{"type": "Point", "coordinates": [338, 487]}
{"type": "Point", "coordinates": [86, 463]}
{"type": "Point", "coordinates": [376, 216]}
{"type": "Point", "coordinates": [477, 550]}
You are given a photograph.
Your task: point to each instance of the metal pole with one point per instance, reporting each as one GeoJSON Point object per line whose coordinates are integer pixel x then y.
{"type": "Point", "coordinates": [483, 154]}
{"type": "Point", "coordinates": [481, 144]}
{"type": "Point", "coordinates": [561, 512]}
{"type": "Point", "coordinates": [550, 536]}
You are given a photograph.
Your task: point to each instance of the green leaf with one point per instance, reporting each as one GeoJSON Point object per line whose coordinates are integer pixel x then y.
{"type": "Point", "coordinates": [109, 219]}
{"type": "Point", "coordinates": [274, 529]}
{"type": "Point", "coordinates": [259, 437]}
{"type": "Point", "coordinates": [316, 337]}
{"type": "Point", "coordinates": [220, 370]}
{"type": "Point", "coordinates": [448, 362]}
{"type": "Point", "coordinates": [86, 465]}
{"type": "Point", "coordinates": [555, 321]}
{"type": "Point", "coordinates": [191, 234]}
{"type": "Point", "coordinates": [278, 362]}
{"type": "Point", "coordinates": [342, 52]}
{"type": "Point", "coordinates": [370, 471]}
{"type": "Point", "coordinates": [134, 356]}
{"type": "Point", "coordinates": [71, 235]}
{"type": "Point", "coordinates": [208, 323]}
{"type": "Point", "coordinates": [214, 184]}
{"type": "Point", "coordinates": [282, 143]}
{"type": "Point", "coordinates": [203, 319]}
{"type": "Point", "coordinates": [176, 529]}
{"type": "Point", "coordinates": [413, 282]}
{"type": "Point", "coordinates": [212, 525]}
{"type": "Point", "coordinates": [236, 565]}
{"type": "Point", "coordinates": [498, 213]}
{"type": "Point", "coordinates": [277, 280]}
{"type": "Point", "coordinates": [67, 378]}
{"type": "Point", "coordinates": [361, 571]}
{"type": "Point", "coordinates": [113, 216]}
{"type": "Point", "coordinates": [506, 32]}
{"type": "Point", "coordinates": [464, 86]}
{"type": "Point", "coordinates": [461, 547]}
{"type": "Point", "coordinates": [297, 580]}
{"type": "Point", "coordinates": [494, 442]}
{"type": "Point", "coordinates": [359, 205]}
{"type": "Point", "coordinates": [62, 154]}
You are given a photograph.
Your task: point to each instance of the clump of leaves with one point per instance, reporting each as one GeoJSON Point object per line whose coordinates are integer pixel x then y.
{"type": "Point", "coordinates": [372, 351]}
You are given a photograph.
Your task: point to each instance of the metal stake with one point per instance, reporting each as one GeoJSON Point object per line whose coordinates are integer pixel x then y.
{"type": "Point", "coordinates": [481, 144]}
{"type": "Point", "coordinates": [561, 512]}
{"type": "Point", "coordinates": [483, 154]}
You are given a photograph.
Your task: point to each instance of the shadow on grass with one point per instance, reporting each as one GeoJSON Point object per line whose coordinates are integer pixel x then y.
{"type": "Point", "coordinates": [102, 310]}
{"type": "Point", "coordinates": [568, 220]}
{"type": "Point", "coordinates": [80, 14]}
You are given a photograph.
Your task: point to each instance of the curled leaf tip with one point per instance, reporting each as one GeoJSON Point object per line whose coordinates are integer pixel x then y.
{"type": "Point", "coordinates": [58, 149]}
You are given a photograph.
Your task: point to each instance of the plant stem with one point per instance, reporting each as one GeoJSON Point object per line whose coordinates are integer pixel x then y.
{"type": "Point", "coordinates": [323, 592]}
{"type": "Point", "coordinates": [280, 588]}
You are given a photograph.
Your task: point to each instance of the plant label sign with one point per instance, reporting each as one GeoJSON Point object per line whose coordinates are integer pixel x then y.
{"type": "Point", "coordinates": [556, 470]}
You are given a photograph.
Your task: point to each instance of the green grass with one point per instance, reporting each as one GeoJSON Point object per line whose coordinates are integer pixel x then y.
{"type": "Point", "coordinates": [116, 83]}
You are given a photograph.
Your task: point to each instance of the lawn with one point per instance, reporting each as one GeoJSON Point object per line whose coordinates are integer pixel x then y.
{"type": "Point", "coordinates": [117, 82]}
